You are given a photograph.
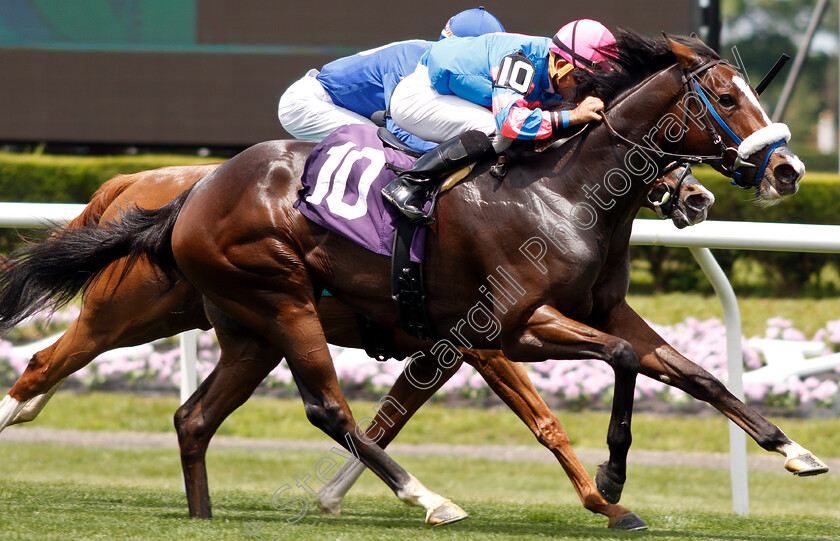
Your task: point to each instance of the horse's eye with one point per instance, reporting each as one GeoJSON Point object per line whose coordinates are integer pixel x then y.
{"type": "Point", "coordinates": [726, 100]}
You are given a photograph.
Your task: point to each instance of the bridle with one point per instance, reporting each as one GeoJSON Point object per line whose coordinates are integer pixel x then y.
{"type": "Point", "coordinates": [665, 207]}
{"type": "Point", "coordinates": [773, 135]}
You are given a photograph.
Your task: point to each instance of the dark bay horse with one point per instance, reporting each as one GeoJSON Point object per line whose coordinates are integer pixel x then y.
{"type": "Point", "coordinates": [103, 323]}
{"type": "Point", "coordinates": [261, 266]}
{"type": "Point", "coordinates": [111, 319]}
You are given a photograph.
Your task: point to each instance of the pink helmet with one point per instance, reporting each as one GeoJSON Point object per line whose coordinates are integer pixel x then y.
{"type": "Point", "coordinates": [579, 42]}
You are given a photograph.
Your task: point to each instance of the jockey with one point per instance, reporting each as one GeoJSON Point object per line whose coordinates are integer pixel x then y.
{"type": "Point", "coordinates": [351, 90]}
{"type": "Point", "coordinates": [476, 95]}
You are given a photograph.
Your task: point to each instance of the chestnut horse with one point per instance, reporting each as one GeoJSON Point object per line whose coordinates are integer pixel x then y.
{"type": "Point", "coordinates": [103, 324]}
{"type": "Point", "coordinates": [261, 266]}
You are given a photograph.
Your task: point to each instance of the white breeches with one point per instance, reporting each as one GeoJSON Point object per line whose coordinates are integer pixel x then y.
{"type": "Point", "coordinates": [307, 112]}
{"type": "Point", "coordinates": [419, 109]}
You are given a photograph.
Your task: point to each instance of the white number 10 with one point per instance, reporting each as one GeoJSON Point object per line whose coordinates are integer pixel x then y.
{"type": "Point", "coordinates": [345, 156]}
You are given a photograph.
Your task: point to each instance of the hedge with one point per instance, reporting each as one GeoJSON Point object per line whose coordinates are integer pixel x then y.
{"type": "Point", "coordinates": [41, 178]}
{"type": "Point", "coordinates": [72, 179]}
{"type": "Point", "coordinates": [780, 273]}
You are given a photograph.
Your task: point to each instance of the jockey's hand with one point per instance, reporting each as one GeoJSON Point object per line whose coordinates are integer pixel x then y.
{"type": "Point", "coordinates": [589, 109]}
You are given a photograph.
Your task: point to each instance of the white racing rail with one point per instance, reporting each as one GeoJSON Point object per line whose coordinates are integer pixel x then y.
{"type": "Point", "coordinates": [698, 239]}
{"type": "Point", "coordinates": [740, 236]}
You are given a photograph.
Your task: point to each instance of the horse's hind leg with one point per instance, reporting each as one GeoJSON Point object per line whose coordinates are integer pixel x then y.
{"type": "Point", "coordinates": [511, 383]}
{"type": "Point", "coordinates": [46, 370]}
{"type": "Point", "coordinates": [662, 362]}
{"type": "Point", "coordinates": [50, 367]}
{"type": "Point", "coordinates": [550, 335]}
{"type": "Point", "coordinates": [32, 407]}
{"type": "Point", "coordinates": [245, 361]}
{"type": "Point", "coordinates": [288, 325]}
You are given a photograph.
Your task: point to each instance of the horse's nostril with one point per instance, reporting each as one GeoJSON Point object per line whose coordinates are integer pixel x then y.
{"type": "Point", "coordinates": [697, 201]}
{"type": "Point", "coordinates": [786, 173]}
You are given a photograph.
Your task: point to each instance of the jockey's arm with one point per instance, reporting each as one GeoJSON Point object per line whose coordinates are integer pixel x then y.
{"type": "Point", "coordinates": [517, 118]}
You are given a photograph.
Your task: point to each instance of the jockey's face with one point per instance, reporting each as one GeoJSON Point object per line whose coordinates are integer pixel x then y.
{"type": "Point", "coordinates": [560, 73]}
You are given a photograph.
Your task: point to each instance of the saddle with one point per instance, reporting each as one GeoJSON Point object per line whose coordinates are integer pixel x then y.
{"type": "Point", "coordinates": [341, 184]}
{"type": "Point", "coordinates": [342, 180]}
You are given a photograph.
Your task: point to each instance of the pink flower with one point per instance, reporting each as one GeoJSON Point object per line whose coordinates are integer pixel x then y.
{"type": "Point", "coordinates": [779, 322]}
{"type": "Point", "coordinates": [755, 392]}
{"type": "Point", "coordinates": [793, 334]}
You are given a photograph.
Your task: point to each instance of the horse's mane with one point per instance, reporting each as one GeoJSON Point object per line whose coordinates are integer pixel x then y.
{"type": "Point", "coordinates": [637, 57]}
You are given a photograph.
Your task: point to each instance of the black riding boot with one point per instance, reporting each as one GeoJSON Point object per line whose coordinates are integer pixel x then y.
{"type": "Point", "coordinates": [411, 189]}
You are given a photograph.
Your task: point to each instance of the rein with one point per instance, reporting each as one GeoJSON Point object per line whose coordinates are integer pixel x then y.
{"type": "Point", "coordinates": [685, 158]}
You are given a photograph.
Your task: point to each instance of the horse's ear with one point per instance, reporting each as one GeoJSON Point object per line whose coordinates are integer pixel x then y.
{"type": "Point", "coordinates": [695, 37]}
{"type": "Point", "coordinates": [685, 55]}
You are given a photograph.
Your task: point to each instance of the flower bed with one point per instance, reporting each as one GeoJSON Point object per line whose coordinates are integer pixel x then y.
{"type": "Point", "coordinates": [567, 383]}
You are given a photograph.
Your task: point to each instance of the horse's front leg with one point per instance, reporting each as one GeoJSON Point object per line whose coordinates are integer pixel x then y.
{"type": "Point", "coordinates": [511, 383]}
{"type": "Point", "coordinates": [662, 362]}
{"type": "Point", "coordinates": [548, 334]}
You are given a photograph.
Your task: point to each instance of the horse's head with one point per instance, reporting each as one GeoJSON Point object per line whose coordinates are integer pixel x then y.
{"type": "Point", "coordinates": [680, 197]}
{"type": "Point", "coordinates": [725, 117]}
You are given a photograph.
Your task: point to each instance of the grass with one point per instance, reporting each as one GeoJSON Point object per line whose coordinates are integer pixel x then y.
{"type": "Point", "coordinates": [75, 493]}
{"type": "Point", "coordinates": [807, 314]}
{"type": "Point", "coordinates": [268, 417]}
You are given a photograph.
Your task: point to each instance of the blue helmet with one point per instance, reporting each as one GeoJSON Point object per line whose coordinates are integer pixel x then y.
{"type": "Point", "coordinates": [472, 22]}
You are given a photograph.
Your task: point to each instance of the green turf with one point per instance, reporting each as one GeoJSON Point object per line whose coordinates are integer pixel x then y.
{"type": "Point", "coordinates": [268, 417]}
{"type": "Point", "coordinates": [807, 314]}
{"type": "Point", "coordinates": [51, 492]}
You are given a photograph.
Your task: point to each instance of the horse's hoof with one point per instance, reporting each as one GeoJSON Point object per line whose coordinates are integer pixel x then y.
{"type": "Point", "coordinates": [202, 516]}
{"type": "Point", "coordinates": [329, 507]}
{"type": "Point", "coordinates": [630, 522]}
{"type": "Point", "coordinates": [805, 465]}
{"type": "Point", "coordinates": [609, 489]}
{"type": "Point", "coordinates": [445, 513]}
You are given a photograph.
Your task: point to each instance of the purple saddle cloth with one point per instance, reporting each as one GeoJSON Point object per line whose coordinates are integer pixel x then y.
{"type": "Point", "coordinates": [342, 183]}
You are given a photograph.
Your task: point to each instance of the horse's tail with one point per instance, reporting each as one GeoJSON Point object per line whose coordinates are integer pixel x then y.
{"type": "Point", "coordinates": [51, 273]}
{"type": "Point", "coordinates": [103, 197]}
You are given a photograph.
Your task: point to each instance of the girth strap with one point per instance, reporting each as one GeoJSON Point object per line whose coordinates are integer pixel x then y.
{"type": "Point", "coordinates": [407, 285]}
{"type": "Point", "coordinates": [377, 339]}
